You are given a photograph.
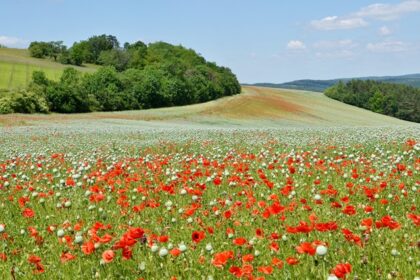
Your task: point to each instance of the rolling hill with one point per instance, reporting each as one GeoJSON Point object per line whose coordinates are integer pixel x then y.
{"type": "Point", "coordinates": [254, 107]}
{"type": "Point", "coordinates": [16, 67]}
{"type": "Point", "coordinates": [321, 85]}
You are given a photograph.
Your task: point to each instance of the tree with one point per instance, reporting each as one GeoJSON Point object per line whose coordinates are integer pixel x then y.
{"type": "Point", "coordinates": [98, 44]}
{"type": "Point", "coordinates": [55, 49]}
{"type": "Point", "coordinates": [395, 100]}
{"type": "Point", "coordinates": [136, 76]}
{"type": "Point", "coordinates": [107, 89]}
{"type": "Point", "coordinates": [116, 58]}
{"type": "Point", "coordinates": [39, 78]}
{"type": "Point", "coordinates": [46, 49]}
{"type": "Point", "coordinates": [376, 102]}
{"type": "Point", "coordinates": [80, 52]}
{"type": "Point", "coordinates": [137, 54]}
{"type": "Point", "coordinates": [65, 57]}
{"type": "Point", "coordinates": [38, 49]}
{"type": "Point", "coordinates": [67, 96]}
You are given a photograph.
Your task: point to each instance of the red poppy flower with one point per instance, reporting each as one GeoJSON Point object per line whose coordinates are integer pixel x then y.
{"type": "Point", "coordinates": [277, 263]}
{"type": "Point", "coordinates": [259, 233]}
{"type": "Point", "coordinates": [88, 248]}
{"type": "Point", "coordinates": [239, 241]}
{"type": "Point", "coordinates": [108, 256]}
{"type": "Point", "coordinates": [266, 269]}
{"type": "Point", "coordinates": [197, 236]}
{"type": "Point", "coordinates": [341, 270]}
{"type": "Point", "coordinates": [306, 247]}
{"type": "Point", "coordinates": [235, 270]}
{"type": "Point", "coordinates": [39, 268]}
{"type": "Point", "coordinates": [163, 239]}
{"type": "Point", "coordinates": [28, 213]}
{"type": "Point", "coordinates": [220, 259]}
{"type": "Point", "coordinates": [349, 210]}
{"type": "Point", "coordinates": [247, 258]}
{"type": "Point", "coordinates": [65, 257]}
{"type": "Point", "coordinates": [175, 252]}
{"type": "Point", "coordinates": [292, 260]}
{"type": "Point", "coordinates": [34, 259]}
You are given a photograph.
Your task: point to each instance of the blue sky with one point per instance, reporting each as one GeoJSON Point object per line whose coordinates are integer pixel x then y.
{"type": "Point", "coordinates": [261, 41]}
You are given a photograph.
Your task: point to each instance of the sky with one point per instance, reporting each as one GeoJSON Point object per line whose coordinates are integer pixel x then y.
{"type": "Point", "coordinates": [260, 40]}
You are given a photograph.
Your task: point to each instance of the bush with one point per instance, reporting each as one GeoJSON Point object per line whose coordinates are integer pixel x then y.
{"type": "Point", "coordinates": [67, 96]}
{"type": "Point", "coordinates": [23, 102]}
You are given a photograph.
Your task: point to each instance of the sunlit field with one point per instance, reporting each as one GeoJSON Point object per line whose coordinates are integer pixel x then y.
{"type": "Point", "coordinates": [122, 202]}
{"type": "Point", "coordinates": [16, 68]}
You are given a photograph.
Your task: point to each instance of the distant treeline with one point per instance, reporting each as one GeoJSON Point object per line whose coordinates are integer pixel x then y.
{"type": "Point", "coordinates": [394, 100]}
{"type": "Point", "coordinates": [137, 76]}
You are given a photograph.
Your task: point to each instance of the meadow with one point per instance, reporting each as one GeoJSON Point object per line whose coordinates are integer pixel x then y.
{"type": "Point", "coordinates": [16, 67]}
{"type": "Point", "coordinates": [198, 192]}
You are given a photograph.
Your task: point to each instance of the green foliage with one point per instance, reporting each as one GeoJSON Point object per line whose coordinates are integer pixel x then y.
{"type": "Point", "coordinates": [105, 87]}
{"type": "Point", "coordinates": [22, 102]}
{"type": "Point", "coordinates": [134, 77]}
{"type": "Point", "coordinates": [394, 100]}
{"type": "Point", "coordinates": [98, 44]}
{"type": "Point", "coordinates": [39, 78]}
{"type": "Point", "coordinates": [137, 53]}
{"type": "Point", "coordinates": [65, 57]}
{"type": "Point", "coordinates": [46, 49]}
{"type": "Point", "coordinates": [115, 57]}
{"type": "Point", "coordinates": [80, 52]}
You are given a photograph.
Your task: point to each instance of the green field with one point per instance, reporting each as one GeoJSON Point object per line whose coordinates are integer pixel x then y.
{"type": "Point", "coordinates": [267, 184]}
{"type": "Point", "coordinates": [16, 67]}
{"type": "Point", "coordinates": [210, 192]}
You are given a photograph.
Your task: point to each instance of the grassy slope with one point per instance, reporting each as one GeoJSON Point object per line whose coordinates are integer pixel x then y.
{"type": "Point", "coordinates": [16, 67]}
{"type": "Point", "coordinates": [254, 107]}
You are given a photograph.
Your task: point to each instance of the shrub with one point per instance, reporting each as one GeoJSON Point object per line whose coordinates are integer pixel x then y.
{"type": "Point", "coordinates": [23, 102]}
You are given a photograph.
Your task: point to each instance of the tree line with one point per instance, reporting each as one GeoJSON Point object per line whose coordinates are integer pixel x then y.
{"type": "Point", "coordinates": [394, 100]}
{"type": "Point", "coordinates": [137, 76]}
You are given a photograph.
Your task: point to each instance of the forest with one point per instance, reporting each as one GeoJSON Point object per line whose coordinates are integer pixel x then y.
{"type": "Point", "coordinates": [135, 76]}
{"type": "Point", "coordinates": [394, 100]}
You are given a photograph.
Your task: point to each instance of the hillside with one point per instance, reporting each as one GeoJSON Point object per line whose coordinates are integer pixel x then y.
{"type": "Point", "coordinates": [254, 107]}
{"type": "Point", "coordinates": [321, 85]}
{"type": "Point", "coordinates": [16, 67]}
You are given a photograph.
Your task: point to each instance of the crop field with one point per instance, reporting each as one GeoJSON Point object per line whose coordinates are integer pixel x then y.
{"type": "Point", "coordinates": [16, 67]}
{"type": "Point", "coordinates": [268, 184]}
{"type": "Point", "coordinates": [255, 107]}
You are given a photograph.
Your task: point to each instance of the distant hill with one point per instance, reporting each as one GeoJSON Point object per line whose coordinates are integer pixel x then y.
{"type": "Point", "coordinates": [321, 85]}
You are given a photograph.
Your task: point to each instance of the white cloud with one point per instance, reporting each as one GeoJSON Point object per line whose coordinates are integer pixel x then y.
{"type": "Point", "coordinates": [335, 23]}
{"type": "Point", "coordinates": [359, 19]}
{"type": "Point", "coordinates": [296, 45]}
{"type": "Point", "coordinates": [12, 41]}
{"type": "Point", "coordinates": [384, 31]}
{"type": "Point", "coordinates": [387, 46]}
{"type": "Point", "coordinates": [389, 11]}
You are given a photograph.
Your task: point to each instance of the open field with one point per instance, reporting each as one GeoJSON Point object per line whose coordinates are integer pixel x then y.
{"type": "Point", "coordinates": [255, 106]}
{"type": "Point", "coordinates": [269, 184]}
{"type": "Point", "coordinates": [120, 201]}
{"type": "Point", "coordinates": [16, 67]}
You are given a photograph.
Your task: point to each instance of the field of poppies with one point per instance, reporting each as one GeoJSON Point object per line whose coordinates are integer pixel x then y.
{"type": "Point", "coordinates": [161, 203]}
